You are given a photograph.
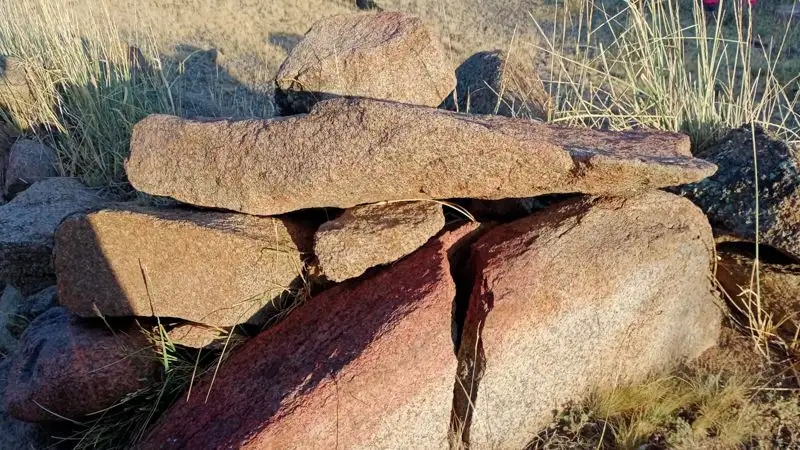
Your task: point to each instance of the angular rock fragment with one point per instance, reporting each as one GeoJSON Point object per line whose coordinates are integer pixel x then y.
{"type": "Point", "coordinates": [588, 293]}
{"type": "Point", "coordinates": [29, 161]}
{"type": "Point", "coordinates": [67, 368]}
{"type": "Point", "coordinates": [348, 152]}
{"type": "Point", "coordinates": [214, 268]}
{"type": "Point", "coordinates": [366, 364]}
{"type": "Point", "coordinates": [385, 55]}
{"type": "Point", "coordinates": [194, 336]}
{"type": "Point", "coordinates": [492, 82]}
{"type": "Point", "coordinates": [370, 235]}
{"type": "Point", "coordinates": [27, 226]}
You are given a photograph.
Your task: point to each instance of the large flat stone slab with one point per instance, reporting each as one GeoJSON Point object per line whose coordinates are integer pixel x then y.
{"type": "Point", "coordinates": [347, 152]}
{"type": "Point", "coordinates": [208, 267]}
{"type": "Point", "coordinates": [367, 364]}
{"type": "Point", "coordinates": [585, 294]}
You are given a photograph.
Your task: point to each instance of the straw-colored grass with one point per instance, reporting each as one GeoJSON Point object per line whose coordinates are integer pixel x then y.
{"type": "Point", "coordinates": [666, 64]}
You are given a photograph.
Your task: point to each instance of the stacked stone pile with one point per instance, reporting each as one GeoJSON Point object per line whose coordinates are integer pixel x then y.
{"type": "Point", "coordinates": [424, 329]}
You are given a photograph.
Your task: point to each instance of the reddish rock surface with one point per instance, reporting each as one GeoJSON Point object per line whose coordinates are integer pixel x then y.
{"type": "Point", "coordinates": [366, 364]}
{"type": "Point", "coordinates": [348, 152]}
{"type": "Point", "coordinates": [587, 293]}
{"type": "Point", "coordinates": [387, 55]}
{"type": "Point", "coordinates": [208, 267]}
{"type": "Point", "coordinates": [66, 367]}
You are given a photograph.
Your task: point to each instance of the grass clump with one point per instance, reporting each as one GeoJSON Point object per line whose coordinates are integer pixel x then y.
{"type": "Point", "coordinates": [85, 87]}
{"type": "Point", "coordinates": [691, 411]}
{"type": "Point", "coordinates": [669, 65]}
{"type": "Point", "coordinates": [127, 422]}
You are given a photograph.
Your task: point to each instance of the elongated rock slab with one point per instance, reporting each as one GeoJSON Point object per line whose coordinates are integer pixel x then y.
{"type": "Point", "coordinates": [582, 295]}
{"type": "Point", "coordinates": [207, 267]}
{"type": "Point", "coordinates": [368, 364]}
{"type": "Point", "coordinates": [347, 152]}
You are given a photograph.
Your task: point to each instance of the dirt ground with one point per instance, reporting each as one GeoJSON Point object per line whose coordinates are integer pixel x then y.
{"type": "Point", "coordinates": [252, 37]}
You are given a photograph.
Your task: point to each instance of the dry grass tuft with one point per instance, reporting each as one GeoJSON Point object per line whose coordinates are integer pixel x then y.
{"type": "Point", "coordinates": [668, 65]}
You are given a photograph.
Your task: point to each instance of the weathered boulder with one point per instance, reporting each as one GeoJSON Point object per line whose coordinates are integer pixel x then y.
{"type": "Point", "coordinates": [778, 286]}
{"type": "Point", "coordinates": [27, 226]}
{"type": "Point", "coordinates": [729, 200]}
{"type": "Point", "coordinates": [386, 55]}
{"type": "Point", "coordinates": [29, 161]}
{"type": "Point", "coordinates": [207, 267]}
{"type": "Point", "coordinates": [370, 235]}
{"type": "Point", "coordinates": [493, 82]}
{"type": "Point", "coordinates": [348, 152]}
{"type": "Point", "coordinates": [366, 364]}
{"type": "Point", "coordinates": [16, 434]}
{"type": "Point", "coordinates": [588, 293]}
{"type": "Point", "coordinates": [68, 368]}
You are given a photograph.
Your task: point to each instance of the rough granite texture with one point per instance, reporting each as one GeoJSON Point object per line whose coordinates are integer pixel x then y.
{"type": "Point", "coordinates": [348, 152]}
{"type": "Point", "coordinates": [27, 226]}
{"type": "Point", "coordinates": [29, 161]}
{"type": "Point", "coordinates": [194, 335]}
{"type": "Point", "coordinates": [370, 235]}
{"type": "Point", "coordinates": [584, 294]}
{"type": "Point", "coordinates": [213, 268]}
{"type": "Point", "coordinates": [368, 364]}
{"type": "Point", "coordinates": [728, 198]}
{"type": "Point", "coordinates": [385, 55]}
{"type": "Point", "coordinates": [779, 288]}
{"type": "Point", "coordinates": [16, 434]}
{"type": "Point", "coordinates": [71, 368]}
{"type": "Point", "coordinates": [491, 82]}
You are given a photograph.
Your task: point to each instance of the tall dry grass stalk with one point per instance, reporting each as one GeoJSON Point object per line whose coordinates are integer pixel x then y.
{"type": "Point", "coordinates": [86, 86]}
{"type": "Point", "coordinates": [665, 65]}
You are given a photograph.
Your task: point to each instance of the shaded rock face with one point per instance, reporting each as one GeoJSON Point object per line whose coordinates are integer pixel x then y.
{"type": "Point", "coordinates": [214, 268]}
{"type": "Point", "coordinates": [72, 369]}
{"type": "Point", "coordinates": [584, 294]}
{"type": "Point", "coordinates": [371, 235]}
{"type": "Point", "coordinates": [728, 198]}
{"type": "Point", "coordinates": [7, 137]}
{"type": "Point", "coordinates": [16, 312]}
{"type": "Point", "coordinates": [27, 226]}
{"type": "Point", "coordinates": [491, 82]}
{"type": "Point", "coordinates": [385, 55]}
{"type": "Point", "coordinates": [29, 161]}
{"type": "Point", "coordinates": [366, 364]}
{"type": "Point", "coordinates": [779, 288]}
{"type": "Point", "coordinates": [16, 434]}
{"type": "Point", "coordinates": [355, 151]}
